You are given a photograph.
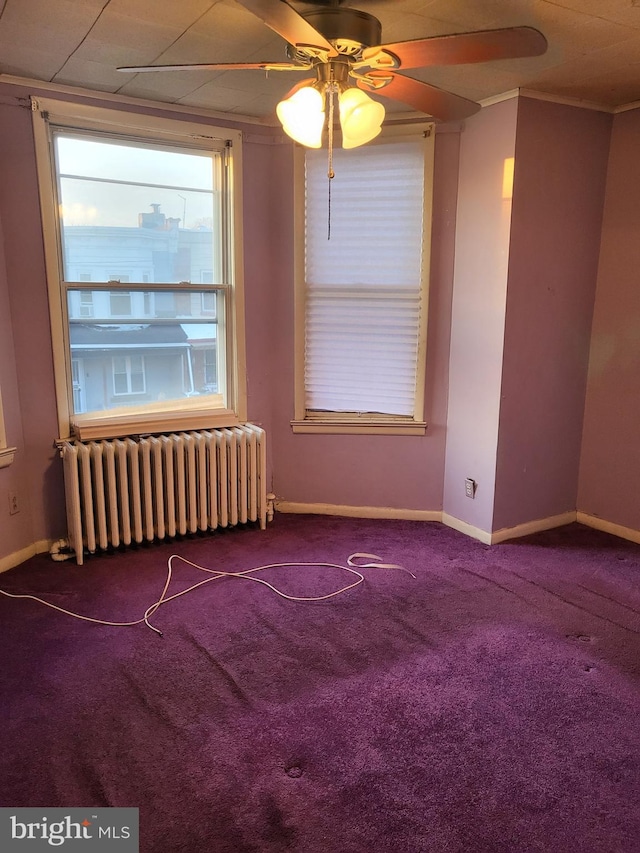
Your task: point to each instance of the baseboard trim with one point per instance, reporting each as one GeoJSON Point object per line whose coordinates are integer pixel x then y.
{"type": "Point", "coordinates": [13, 560]}
{"type": "Point", "coordinates": [529, 527]}
{"type": "Point", "coordinates": [632, 535]}
{"type": "Point", "coordinates": [467, 529]}
{"type": "Point", "coordinates": [495, 538]}
{"type": "Point", "coordinates": [358, 511]}
{"type": "Point", "coordinates": [507, 533]}
{"type": "Point", "coordinates": [609, 527]}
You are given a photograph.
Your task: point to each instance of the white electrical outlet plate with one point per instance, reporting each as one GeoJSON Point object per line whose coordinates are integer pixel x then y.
{"type": "Point", "coordinates": [470, 488]}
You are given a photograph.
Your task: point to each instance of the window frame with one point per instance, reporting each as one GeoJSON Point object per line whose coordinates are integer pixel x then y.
{"type": "Point", "coordinates": [308, 421]}
{"type": "Point", "coordinates": [7, 453]}
{"type": "Point", "coordinates": [191, 413]}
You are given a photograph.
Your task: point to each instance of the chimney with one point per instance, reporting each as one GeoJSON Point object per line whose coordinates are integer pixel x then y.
{"type": "Point", "coordinates": [155, 220]}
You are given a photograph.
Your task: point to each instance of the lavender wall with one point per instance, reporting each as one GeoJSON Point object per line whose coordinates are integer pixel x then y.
{"type": "Point", "coordinates": [262, 174]}
{"type": "Point", "coordinates": [25, 338]}
{"type": "Point", "coordinates": [36, 475]}
{"type": "Point", "coordinates": [610, 463]}
{"type": "Point", "coordinates": [560, 171]}
{"type": "Point", "coordinates": [477, 323]}
{"type": "Point", "coordinates": [507, 341]}
{"type": "Point", "coordinates": [15, 530]}
{"type": "Point", "coordinates": [400, 472]}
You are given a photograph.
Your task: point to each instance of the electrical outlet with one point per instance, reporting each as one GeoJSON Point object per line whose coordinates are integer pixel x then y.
{"type": "Point", "coordinates": [470, 487]}
{"type": "Point", "coordinates": [13, 503]}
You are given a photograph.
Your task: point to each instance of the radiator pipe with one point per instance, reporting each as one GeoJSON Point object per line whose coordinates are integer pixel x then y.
{"type": "Point", "coordinates": [56, 550]}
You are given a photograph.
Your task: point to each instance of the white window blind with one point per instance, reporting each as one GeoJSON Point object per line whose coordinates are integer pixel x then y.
{"type": "Point", "coordinates": [364, 286]}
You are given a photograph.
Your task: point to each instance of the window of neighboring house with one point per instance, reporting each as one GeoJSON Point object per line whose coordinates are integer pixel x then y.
{"type": "Point", "coordinates": [128, 374]}
{"type": "Point", "coordinates": [114, 187]}
{"type": "Point", "coordinates": [210, 368]}
{"type": "Point", "coordinates": [76, 378]}
{"type": "Point", "coordinates": [361, 295]}
{"type": "Point", "coordinates": [86, 303]}
{"type": "Point", "coordinates": [208, 303]}
{"type": "Point", "coordinates": [119, 303]}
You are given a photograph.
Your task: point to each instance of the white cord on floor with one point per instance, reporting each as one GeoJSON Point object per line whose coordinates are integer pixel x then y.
{"type": "Point", "coordinates": [351, 567]}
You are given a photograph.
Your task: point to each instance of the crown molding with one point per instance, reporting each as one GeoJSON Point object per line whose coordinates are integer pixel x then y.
{"type": "Point", "coordinates": [268, 123]}
{"type": "Point", "coordinates": [232, 119]}
{"type": "Point", "coordinates": [634, 105]}
{"type": "Point", "coordinates": [566, 101]}
{"type": "Point", "coordinates": [544, 96]}
{"type": "Point", "coordinates": [496, 99]}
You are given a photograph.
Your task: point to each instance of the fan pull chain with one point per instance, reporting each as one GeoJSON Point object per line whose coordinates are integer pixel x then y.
{"type": "Point", "coordinates": [330, 172]}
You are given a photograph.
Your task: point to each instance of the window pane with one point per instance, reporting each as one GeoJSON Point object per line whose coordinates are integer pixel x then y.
{"type": "Point", "coordinates": [120, 304]}
{"type": "Point", "coordinates": [137, 374]}
{"type": "Point", "coordinates": [86, 303]}
{"type": "Point", "coordinates": [120, 383]}
{"type": "Point", "coordinates": [144, 306]}
{"type": "Point", "coordinates": [146, 358]}
{"type": "Point", "coordinates": [132, 212]}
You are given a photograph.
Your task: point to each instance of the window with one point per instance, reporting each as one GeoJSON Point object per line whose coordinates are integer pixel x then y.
{"type": "Point", "coordinates": [119, 303]}
{"type": "Point", "coordinates": [210, 367]}
{"type": "Point", "coordinates": [78, 389]}
{"type": "Point", "coordinates": [86, 303]}
{"type": "Point", "coordinates": [114, 191]}
{"type": "Point", "coordinates": [128, 374]}
{"type": "Point", "coordinates": [6, 453]}
{"type": "Point", "coordinates": [209, 303]}
{"type": "Point", "coordinates": [361, 295]}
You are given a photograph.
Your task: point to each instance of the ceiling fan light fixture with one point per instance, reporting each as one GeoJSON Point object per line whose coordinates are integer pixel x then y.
{"type": "Point", "coordinates": [302, 116]}
{"type": "Point", "coordinates": [360, 117]}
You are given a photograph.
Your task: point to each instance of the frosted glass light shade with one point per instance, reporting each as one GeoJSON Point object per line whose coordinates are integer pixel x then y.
{"type": "Point", "coordinates": [302, 116]}
{"type": "Point", "coordinates": [360, 118]}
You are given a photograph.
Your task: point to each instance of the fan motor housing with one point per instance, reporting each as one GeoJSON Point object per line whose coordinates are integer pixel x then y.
{"type": "Point", "coordinates": [349, 30]}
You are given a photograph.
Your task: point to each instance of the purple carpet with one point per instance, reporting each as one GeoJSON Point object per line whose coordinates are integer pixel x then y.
{"type": "Point", "coordinates": [492, 704]}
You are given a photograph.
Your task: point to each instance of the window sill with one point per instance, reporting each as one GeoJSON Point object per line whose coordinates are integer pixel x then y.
{"type": "Point", "coordinates": [359, 426]}
{"type": "Point", "coordinates": [182, 416]}
{"type": "Point", "coordinates": [6, 456]}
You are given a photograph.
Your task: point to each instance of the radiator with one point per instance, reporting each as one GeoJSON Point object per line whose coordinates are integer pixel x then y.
{"type": "Point", "coordinates": [128, 490]}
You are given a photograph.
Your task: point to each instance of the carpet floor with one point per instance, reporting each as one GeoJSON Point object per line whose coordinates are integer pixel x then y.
{"type": "Point", "coordinates": [491, 704]}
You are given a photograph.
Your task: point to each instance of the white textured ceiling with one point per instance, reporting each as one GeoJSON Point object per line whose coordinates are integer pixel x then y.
{"type": "Point", "coordinates": [593, 55]}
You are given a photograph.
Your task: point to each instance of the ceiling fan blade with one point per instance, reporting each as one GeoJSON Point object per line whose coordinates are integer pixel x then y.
{"type": "Point", "coordinates": [424, 97]}
{"type": "Point", "coordinates": [284, 20]}
{"type": "Point", "coordinates": [462, 48]}
{"type": "Point", "coordinates": [219, 66]}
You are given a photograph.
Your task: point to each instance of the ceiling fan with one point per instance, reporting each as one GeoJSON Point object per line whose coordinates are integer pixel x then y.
{"type": "Point", "coordinates": [343, 48]}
